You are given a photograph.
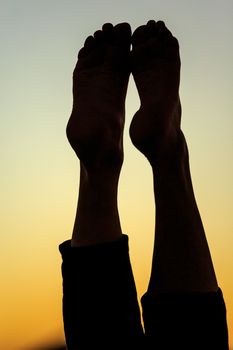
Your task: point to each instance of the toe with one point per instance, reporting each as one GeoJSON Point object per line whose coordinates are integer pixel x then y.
{"type": "Point", "coordinates": [163, 31]}
{"type": "Point", "coordinates": [151, 27]}
{"type": "Point", "coordinates": [82, 52]}
{"type": "Point", "coordinates": [122, 34]}
{"type": "Point", "coordinates": [99, 36]}
{"type": "Point", "coordinates": [151, 23]}
{"type": "Point", "coordinates": [89, 42]}
{"type": "Point", "coordinates": [88, 47]}
{"type": "Point", "coordinates": [160, 24]}
{"type": "Point", "coordinates": [140, 35]}
{"type": "Point", "coordinates": [165, 36]}
{"type": "Point", "coordinates": [108, 32]}
{"type": "Point", "coordinates": [107, 27]}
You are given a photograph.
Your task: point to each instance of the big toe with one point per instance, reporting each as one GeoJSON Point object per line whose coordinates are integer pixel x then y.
{"type": "Point", "coordinates": [140, 35]}
{"type": "Point", "coordinates": [122, 34]}
{"type": "Point", "coordinates": [107, 29]}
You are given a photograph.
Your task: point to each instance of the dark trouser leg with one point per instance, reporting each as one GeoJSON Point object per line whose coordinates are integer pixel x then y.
{"type": "Point", "coordinates": [186, 321]}
{"type": "Point", "coordinates": [100, 299]}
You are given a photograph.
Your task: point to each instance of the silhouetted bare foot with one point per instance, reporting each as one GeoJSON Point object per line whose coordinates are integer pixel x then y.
{"type": "Point", "coordinates": [100, 82]}
{"type": "Point", "coordinates": [155, 128]}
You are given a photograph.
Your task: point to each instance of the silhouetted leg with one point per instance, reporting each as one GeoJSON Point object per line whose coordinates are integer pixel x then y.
{"type": "Point", "coordinates": [99, 292]}
{"type": "Point", "coordinates": [183, 307]}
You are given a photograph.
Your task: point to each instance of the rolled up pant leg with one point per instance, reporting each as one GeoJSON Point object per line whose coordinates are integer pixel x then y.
{"type": "Point", "coordinates": [186, 321]}
{"type": "Point", "coordinates": [99, 294]}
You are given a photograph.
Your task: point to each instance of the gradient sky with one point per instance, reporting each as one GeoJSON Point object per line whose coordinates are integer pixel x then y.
{"type": "Point", "coordinates": [39, 171]}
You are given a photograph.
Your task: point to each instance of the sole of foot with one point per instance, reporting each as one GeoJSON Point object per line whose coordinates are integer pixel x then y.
{"type": "Point", "coordinates": [100, 79]}
{"type": "Point", "coordinates": [155, 60]}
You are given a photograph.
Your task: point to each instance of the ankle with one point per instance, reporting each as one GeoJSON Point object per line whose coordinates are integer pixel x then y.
{"type": "Point", "coordinates": [100, 178]}
{"type": "Point", "coordinates": [97, 220]}
{"type": "Point", "coordinates": [172, 154]}
{"type": "Point", "coordinates": [156, 133]}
